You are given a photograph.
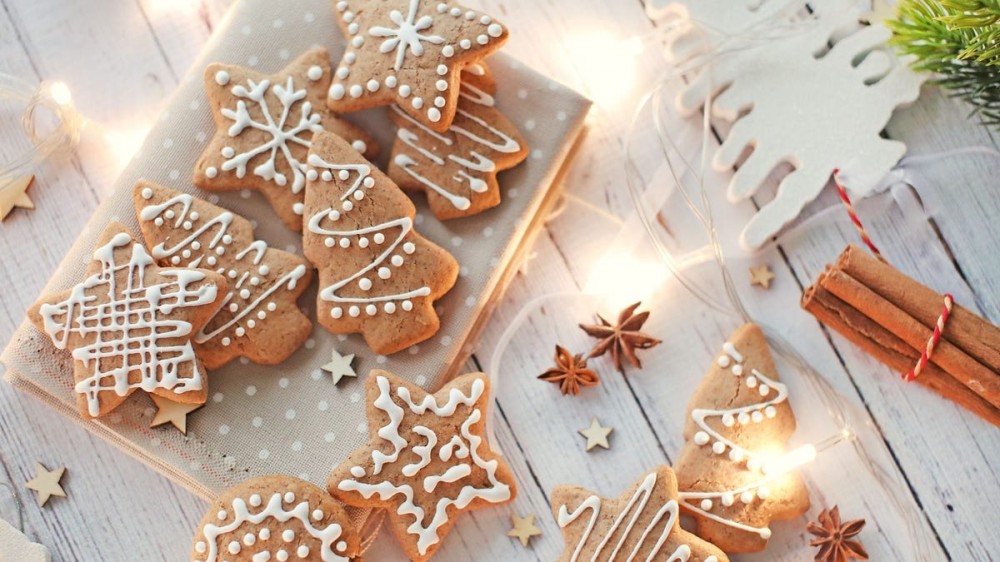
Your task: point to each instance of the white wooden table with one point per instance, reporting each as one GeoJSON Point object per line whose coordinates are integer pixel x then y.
{"type": "Point", "coordinates": [122, 59]}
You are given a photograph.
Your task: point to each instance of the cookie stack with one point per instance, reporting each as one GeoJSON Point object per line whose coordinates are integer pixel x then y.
{"type": "Point", "coordinates": [202, 289]}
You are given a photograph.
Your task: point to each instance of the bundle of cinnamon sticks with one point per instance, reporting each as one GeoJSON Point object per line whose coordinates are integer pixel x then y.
{"type": "Point", "coordinates": [891, 316]}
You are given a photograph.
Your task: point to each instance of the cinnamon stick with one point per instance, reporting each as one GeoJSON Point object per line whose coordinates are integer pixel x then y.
{"type": "Point", "coordinates": [891, 350]}
{"type": "Point", "coordinates": [953, 360]}
{"type": "Point", "coordinates": [974, 335]}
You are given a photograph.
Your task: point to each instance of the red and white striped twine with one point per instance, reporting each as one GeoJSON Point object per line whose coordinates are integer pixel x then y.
{"type": "Point", "coordinates": [932, 343]}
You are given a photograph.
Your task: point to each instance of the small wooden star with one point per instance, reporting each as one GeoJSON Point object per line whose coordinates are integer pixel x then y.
{"type": "Point", "coordinates": [46, 483]}
{"type": "Point", "coordinates": [761, 275]}
{"type": "Point", "coordinates": [524, 528]}
{"type": "Point", "coordinates": [340, 366]}
{"type": "Point", "coordinates": [172, 412]}
{"type": "Point", "coordinates": [596, 435]}
{"type": "Point", "coordinates": [14, 194]}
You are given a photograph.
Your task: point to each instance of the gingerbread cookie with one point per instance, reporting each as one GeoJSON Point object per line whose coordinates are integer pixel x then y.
{"type": "Point", "coordinates": [458, 168]}
{"type": "Point", "coordinates": [275, 518]}
{"type": "Point", "coordinates": [641, 524]}
{"type": "Point", "coordinates": [426, 461]}
{"type": "Point", "coordinates": [739, 418]}
{"type": "Point", "coordinates": [410, 53]}
{"type": "Point", "coordinates": [129, 325]}
{"type": "Point", "coordinates": [479, 75]}
{"type": "Point", "coordinates": [265, 126]}
{"type": "Point", "coordinates": [377, 275]}
{"type": "Point", "coordinates": [259, 319]}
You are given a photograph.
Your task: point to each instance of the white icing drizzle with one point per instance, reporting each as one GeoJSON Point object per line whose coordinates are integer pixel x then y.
{"type": "Point", "coordinates": [280, 134]}
{"type": "Point", "coordinates": [410, 35]}
{"type": "Point", "coordinates": [274, 509]}
{"type": "Point", "coordinates": [362, 181]}
{"type": "Point", "coordinates": [635, 506]}
{"type": "Point", "coordinates": [131, 326]}
{"type": "Point", "coordinates": [465, 445]}
{"type": "Point", "coordinates": [406, 34]}
{"type": "Point", "coordinates": [254, 287]}
{"type": "Point", "coordinates": [703, 502]}
{"type": "Point", "coordinates": [475, 165]}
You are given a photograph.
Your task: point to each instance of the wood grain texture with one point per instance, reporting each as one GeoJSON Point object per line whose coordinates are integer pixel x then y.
{"type": "Point", "coordinates": [123, 58]}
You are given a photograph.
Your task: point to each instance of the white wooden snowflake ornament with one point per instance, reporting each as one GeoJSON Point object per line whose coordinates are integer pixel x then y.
{"type": "Point", "coordinates": [794, 99]}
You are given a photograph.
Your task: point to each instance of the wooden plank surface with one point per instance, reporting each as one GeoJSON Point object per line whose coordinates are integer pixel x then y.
{"type": "Point", "coordinates": [123, 58]}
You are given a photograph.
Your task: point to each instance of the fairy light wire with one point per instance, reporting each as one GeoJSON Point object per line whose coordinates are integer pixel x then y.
{"type": "Point", "coordinates": [49, 96]}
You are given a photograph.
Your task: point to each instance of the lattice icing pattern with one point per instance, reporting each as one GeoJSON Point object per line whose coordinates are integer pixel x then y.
{"type": "Point", "coordinates": [129, 324]}
{"type": "Point", "coordinates": [828, 114]}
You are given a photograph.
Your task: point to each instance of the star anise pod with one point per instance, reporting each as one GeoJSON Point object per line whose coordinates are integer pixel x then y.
{"type": "Point", "coordinates": [570, 373]}
{"type": "Point", "coordinates": [835, 539]}
{"type": "Point", "coordinates": [623, 338]}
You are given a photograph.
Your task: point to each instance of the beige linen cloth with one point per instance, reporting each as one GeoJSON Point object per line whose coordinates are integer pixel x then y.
{"type": "Point", "coordinates": [290, 418]}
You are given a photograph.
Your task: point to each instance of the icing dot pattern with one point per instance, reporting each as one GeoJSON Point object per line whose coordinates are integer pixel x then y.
{"type": "Point", "coordinates": [403, 33]}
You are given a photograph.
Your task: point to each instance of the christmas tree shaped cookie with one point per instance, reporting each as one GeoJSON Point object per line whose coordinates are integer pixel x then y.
{"type": "Point", "coordinates": [410, 53]}
{"type": "Point", "coordinates": [129, 325]}
{"type": "Point", "coordinates": [259, 319]}
{"type": "Point", "coordinates": [641, 524]}
{"type": "Point", "coordinates": [458, 168]}
{"type": "Point", "coordinates": [265, 126]}
{"type": "Point", "coordinates": [427, 459]}
{"type": "Point", "coordinates": [377, 275]}
{"type": "Point", "coordinates": [738, 420]}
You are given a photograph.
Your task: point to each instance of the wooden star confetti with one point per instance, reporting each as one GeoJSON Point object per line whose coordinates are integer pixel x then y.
{"type": "Point", "coordinates": [168, 411]}
{"type": "Point", "coordinates": [339, 366]}
{"type": "Point", "coordinates": [14, 194]}
{"type": "Point", "coordinates": [835, 539]}
{"type": "Point", "coordinates": [524, 528]}
{"type": "Point", "coordinates": [596, 434]}
{"type": "Point", "coordinates": [570, 373]}
{"type": "Point", "coordinates": [623, 338]}
{"type": "Point", "coordinates": [410, 53]}
{"type": "Point", "coordinates": [46, 483]}
{"type": "Point", "coordinates": [761, 275]}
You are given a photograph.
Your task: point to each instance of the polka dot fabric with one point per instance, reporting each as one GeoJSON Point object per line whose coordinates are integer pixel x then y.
{"type": "Point", "coordinates": [289, 418]}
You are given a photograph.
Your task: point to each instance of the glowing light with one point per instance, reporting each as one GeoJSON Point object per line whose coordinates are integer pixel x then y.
{"type": "Point", "coordinates": [123, 143]}
{"type": "Point", "coordinates": [606, 63]}
{"type": "Point", "coordinates": [783, 464]}
{"type": "Point", "coordinates": [618, 275]}
{"type": "Point", "coordinates": [60, 93]}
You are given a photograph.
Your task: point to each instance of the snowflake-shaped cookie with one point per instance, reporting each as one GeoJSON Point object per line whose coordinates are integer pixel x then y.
{"type": "Point", "coordinates": [411, 53]}
{"type": "Point", "coordinates": [265, 128]}
{"type": "Point", "coordinates": [828, 112]}
{"type": "Point", "coordinates": [129, 325]}
{"type": "Point", "coordinates": [426, 461]}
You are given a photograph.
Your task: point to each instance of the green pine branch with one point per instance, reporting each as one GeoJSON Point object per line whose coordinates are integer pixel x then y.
{"type": "Point", "coordinates": [959, 41]}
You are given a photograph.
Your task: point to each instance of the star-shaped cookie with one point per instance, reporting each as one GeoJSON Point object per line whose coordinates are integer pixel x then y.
{"type": "Point", "coordinates": [259, 319]}
{"type": "Point", "coordinates": [458, 168]}
{"type": "Point", "coordinates": [265, 127]}
{"type": "Point", "coordinates": [641, 524]}
{"type": "Point", "coordinates": [411, 53]}
{"type": "Point", "coordinates": [129, 325]}
{"type": "Point", "coordinates": [426, 461]}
